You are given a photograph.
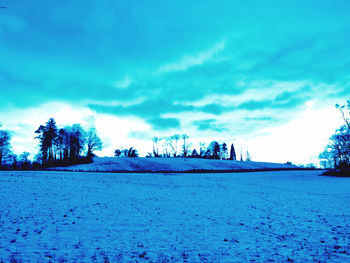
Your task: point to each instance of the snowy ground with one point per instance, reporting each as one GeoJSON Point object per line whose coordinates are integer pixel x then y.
{"type": "Point", "coordinates": [109, 164]}
{"type": "Point", "coordinates": [263, 216]}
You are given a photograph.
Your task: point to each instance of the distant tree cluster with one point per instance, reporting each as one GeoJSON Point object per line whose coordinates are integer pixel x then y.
{"type": "Point", "coordinates": [337, 152]}
{"type": "Point", "coordinates": [179, 146]}
{"type": "Point", "coordinates": [131, 152]}
{"type": "Point", "coordinates": [68, 143]}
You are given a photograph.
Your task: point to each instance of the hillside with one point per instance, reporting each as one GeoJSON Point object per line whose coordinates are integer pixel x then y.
{"type": "Point", "coordinates": [112, 164]}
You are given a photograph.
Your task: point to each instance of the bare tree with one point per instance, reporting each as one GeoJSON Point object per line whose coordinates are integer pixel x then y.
{"type": "Point", "coordinates": [167, 146]}
{"type": "Point", "coordinates": [185, 144]}
{"type": "Point", "coordinates": [174, 143]}
{"type": "Point", "coordinates": [156, 140]}
{"type": "Point", "coordinates": [93, 142]}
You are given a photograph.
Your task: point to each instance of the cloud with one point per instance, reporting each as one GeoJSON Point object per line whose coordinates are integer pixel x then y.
{"type": "Point", "coordinates": [124, 83]}
{"type": "Point", "coordinates": [164, 123]}
{"type": "Point", "coordinates": [190, 61]}
{"type": "Point", "coordinates": [209, 124]}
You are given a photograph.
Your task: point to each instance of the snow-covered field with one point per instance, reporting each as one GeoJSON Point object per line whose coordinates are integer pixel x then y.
{"type": "Point", "coordinates": [262, 216]}
{"type": "Point", "coordinates": [112, 164]}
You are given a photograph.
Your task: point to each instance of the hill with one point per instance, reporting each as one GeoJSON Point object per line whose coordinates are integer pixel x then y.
{"type": "Point", "coordinates": [112, 164]}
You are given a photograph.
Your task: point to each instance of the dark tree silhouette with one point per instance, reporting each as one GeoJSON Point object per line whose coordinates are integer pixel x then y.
{"type": "Point", "coordinates": [132, 152]}
{"type": "Point", "coordinates": [195, 154]}
{"type": "Point", "coordinates": [47, 136]}
{"type": "Point", "coordinates": [174, 143]}
{"type": "Point", "coordinates": [156, 141]}
{"type": "Point", "coordinates": [224, 151]}
{"type": "Point", "coordinates": [232, 153]}
{"type": "Point", "coordinates": [337, 152]}
{"type": "Point", "coordinates": [24, 161]}
{"type": "Point", "coordinates": [185, 145]}
{"type": "Point", "coordinates": [117, 153]}
{"type": "Point", "coordinates": [214, 149]}
{"type": "Point", "coordinates": [93, 142]}
{"type": "Point", "coordinates": [5, 138]}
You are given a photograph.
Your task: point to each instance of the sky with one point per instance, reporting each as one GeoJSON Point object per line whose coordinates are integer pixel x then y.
{"type": "Point", "coordinates": [263, 75]}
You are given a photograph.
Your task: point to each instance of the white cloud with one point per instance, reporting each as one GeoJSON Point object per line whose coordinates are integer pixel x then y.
{"type": "Point", "coordinates": [123, 83]}
{"type": "Point", "coordinates": [300, 141]}
{"type": "Point", "coordinates": [193, 60]}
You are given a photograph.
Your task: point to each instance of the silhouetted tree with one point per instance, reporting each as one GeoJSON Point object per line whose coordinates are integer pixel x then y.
{"type": "Point", "coordinates": [93, 142]}
{"type": "Point", "coordinates": [337, 152]}
{"type": "Point", "coordinates": [232, 153]}
{"type": "Point", "coordinates": [156, 141]}
{"type": "Point", "coordinates": [224, 151]}
{"type": "Point", "coordinates": [5, 138]}
{"type": "Point", "coordinates": [174, 143]}
{"type": "Point", "coordinates": [47, 136]}
{"type": "Point", "coordinates": [195, 154]}
{"type": "Point", "coordinates": [214, 149]}
{"type": "Point", "coordinates": [23, 158]}
{"type": "Point", "coordinates": [185, 145]}
{"type": "Point", "coordinates": [167, 146]}
{"type": "Point", "coordinates": [117, 153]}
{"type": "Point", "coordinates": [248, 157]}
{"type": "Point", "coordinates": [202, 149]}
{"type": "Point", "coordinates": [77, 140]}
{"type": "Point", "coordinates": [132, 152]}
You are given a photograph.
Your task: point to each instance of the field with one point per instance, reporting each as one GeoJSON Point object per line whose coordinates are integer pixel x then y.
{"type": "Point", "coordinates": [285, 216]}
{"type": "Point", "coordinates": [140, 164]}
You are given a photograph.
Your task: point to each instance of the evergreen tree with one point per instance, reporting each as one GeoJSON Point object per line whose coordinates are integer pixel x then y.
{"type": "Point", "coordinates": [195, 154]}
{"type": "Point", "coordinates": [232, 153]}
{"type": "Point", "coordinates": [48, 136]}
{"type": "Point", "coordinates": [248, 157]}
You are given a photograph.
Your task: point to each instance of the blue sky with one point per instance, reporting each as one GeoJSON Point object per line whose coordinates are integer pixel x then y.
{"type": "Point", "coordinates": [264, 75]}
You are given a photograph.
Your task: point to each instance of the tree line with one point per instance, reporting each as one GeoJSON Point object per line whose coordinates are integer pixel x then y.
{"type": "Point", "coordinates": [180, 146]}
{"type": "Point", "coordinates": [73, 145]}
{"type": "Point", "coordinates": [58, 146]}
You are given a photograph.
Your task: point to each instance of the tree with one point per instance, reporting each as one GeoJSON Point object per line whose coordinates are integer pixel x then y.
{"type": "Point", "coordinates": [247, 158]}
{"type": "Point", "coordinates": [167, 146]}
{"type": "Point", "coordinates": [224, 151]}
{"type": "Point", "coordinates": [214, 150]}
{"type": "Point", "coordinates": [202, 149]}
{"type": "Point", "coordinates": [173, 143]}
{"type": "Point", "coordinates": [132, 152]}
{"type": "Point", "coordinates": [195, 154]}
{"type": "Point", "coordinates": [5, 138]}
{"type": "Point", "coordinates": [77, 140]}
{"type": "Point", "coordinates": [48, 136]}
{"type": "Point", "coordinates": [117, 153]}
{"type": "Point", "coordinates": [185, 145]}
{"type": "Point", "coordinates": [156, 140]}
{"type": "Point", "coordinates": [337, 152]}
{"type": "Point", "coordinates": [23, 158]}
{"type": "Point", "coordinates": [93, 142]}
{"type": "Point", "coordinates": [232, 153]}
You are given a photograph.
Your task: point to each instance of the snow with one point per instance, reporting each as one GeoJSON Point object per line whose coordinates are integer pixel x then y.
{"type": "Point", "coordinates": [165, 217]}
{"type": "Point", "coordinates": [110, 164]}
